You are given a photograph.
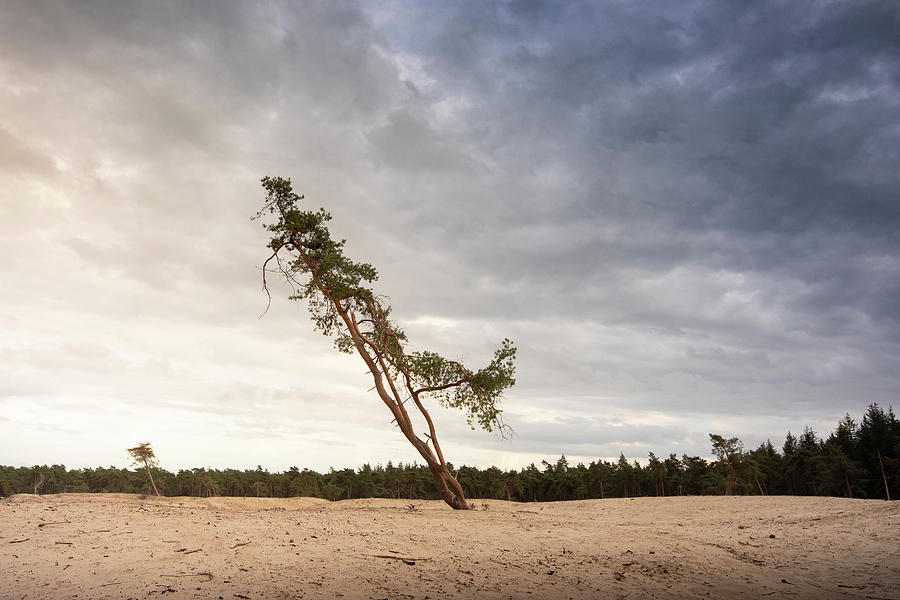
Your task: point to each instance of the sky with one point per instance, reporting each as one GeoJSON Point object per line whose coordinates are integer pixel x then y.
{"type": "Point", "coordinates": [686, 215]}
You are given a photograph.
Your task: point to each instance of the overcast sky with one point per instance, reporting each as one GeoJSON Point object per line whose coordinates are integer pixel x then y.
{"type": "Point", "coordinates": [685, 214]}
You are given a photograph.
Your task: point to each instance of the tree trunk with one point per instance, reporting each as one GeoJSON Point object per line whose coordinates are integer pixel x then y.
{"type": "Point", "coordinates": [153, 483]}
{"type": "Point", "coordinates": [448, 487]}
{"type": "Point", "coordinates": [887, 490]}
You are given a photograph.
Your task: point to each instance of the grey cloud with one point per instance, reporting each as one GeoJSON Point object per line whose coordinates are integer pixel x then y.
{"type": "Point", "coordinates": [589, 437]}
{"type": "Point", "coordinates": [722, 171]}
{"type": "Point", "coordinates": [587, 431]}
{"type": "Point", "coordinates": [731, 112]}
{"type": "Point", "coordinates": [748, 121]}
{"type": "Point", "coordinates": [17, 158]}
{"type": "Point", "coordinates": [410, 142]}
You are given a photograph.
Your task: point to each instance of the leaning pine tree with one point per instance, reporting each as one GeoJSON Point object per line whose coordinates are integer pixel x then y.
{"type": "Point", "coordinates": [143, 454]}
{"type": "Point", "coordinates": [336, 290]}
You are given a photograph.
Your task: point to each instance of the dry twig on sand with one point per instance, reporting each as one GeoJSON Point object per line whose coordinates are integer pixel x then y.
{"type": "Point", "coordinates": [240, 544]}
{"type": "Point", "coordinates": [207, 574]}
{"type": "Point", "coordinates": [53, 523]}
{"type": "Point", "coordinates": [391, 556]}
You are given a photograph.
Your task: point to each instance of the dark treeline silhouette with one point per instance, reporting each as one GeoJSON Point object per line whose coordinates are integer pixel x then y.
{"type": "Point", "coordinates": [858, 460]}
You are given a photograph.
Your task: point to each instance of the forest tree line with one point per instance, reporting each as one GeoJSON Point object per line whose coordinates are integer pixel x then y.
{"type": "Point", "coordinates": [857, 460]}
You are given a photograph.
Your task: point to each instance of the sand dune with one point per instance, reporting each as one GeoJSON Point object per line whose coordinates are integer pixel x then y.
{"type": "Point", "coordinates": [124, 546]}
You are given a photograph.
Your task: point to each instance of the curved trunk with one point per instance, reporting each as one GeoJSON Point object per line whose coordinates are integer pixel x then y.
{"type": "Point", "coordinates": [449, 488]}
{"type": "Point", "coordinates": [447, 485]}
{"type": "Point", "coordinates": [153, 483]}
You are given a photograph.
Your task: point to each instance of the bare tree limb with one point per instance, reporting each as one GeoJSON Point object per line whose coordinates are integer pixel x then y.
{"type": "Point", "coordinates": [266, 287]}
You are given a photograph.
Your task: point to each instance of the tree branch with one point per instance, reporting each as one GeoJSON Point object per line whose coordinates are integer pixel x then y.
{"type": "Point", "coordinates": [266, 287]}
{"type": "Point", "coordinates": [446, 386]}
{"type": "Point", "coordinates": [433, 436]}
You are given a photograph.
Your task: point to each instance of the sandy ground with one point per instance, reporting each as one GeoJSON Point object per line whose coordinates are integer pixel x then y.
{"type": "Point", "coordinates": [122, 546]}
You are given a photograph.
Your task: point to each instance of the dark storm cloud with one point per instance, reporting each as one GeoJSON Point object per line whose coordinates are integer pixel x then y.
{"type": "Point", "coordinates": [707, 192]}
{"type": "Point", "coordinates": [751, 137]}
{"type": "Point", "coordinates": [410, 142]}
